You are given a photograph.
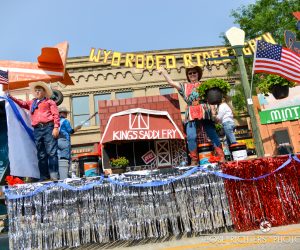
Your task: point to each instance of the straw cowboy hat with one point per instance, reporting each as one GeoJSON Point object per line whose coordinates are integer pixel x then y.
{"type": "Point", "coordinates": [44, 85]}
{"type": "Point", "coordinates": [199, 70]}
{"type": "Point", "coordinates": [63, 110]}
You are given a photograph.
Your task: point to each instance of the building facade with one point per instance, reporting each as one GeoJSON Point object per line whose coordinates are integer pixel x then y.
{"type": "Point", "coordinates": [94, 81]}
{"type": "Point", "coordinates": [100, 81]}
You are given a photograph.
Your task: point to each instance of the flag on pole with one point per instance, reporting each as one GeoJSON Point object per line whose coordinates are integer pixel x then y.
{"type": "Point", "coordinates": [3, 77]}
{"type": "Point", "coordinates": [274, 59]}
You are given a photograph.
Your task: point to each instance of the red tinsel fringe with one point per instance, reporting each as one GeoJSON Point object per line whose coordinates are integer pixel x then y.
{"type": "Point", "coordinates": [274, 198]}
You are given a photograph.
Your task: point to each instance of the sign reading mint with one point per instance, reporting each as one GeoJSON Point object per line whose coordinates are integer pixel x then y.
{"type": "Point", "coordinates": [280, 115]}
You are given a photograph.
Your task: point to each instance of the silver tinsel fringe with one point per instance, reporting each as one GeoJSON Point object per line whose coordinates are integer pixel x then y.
{"type": "Point", "coordinates": [59, 217]}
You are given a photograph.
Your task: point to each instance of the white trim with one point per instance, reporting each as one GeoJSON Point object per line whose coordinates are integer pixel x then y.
{"type": "Point", "coordinates": [144, 111]}
{"type": "Point", "coordinates": [32, 71]}
{"type": "Point", "coordinates": [161, 155]}
{"type": "Point", "coordinates": [139, 117]}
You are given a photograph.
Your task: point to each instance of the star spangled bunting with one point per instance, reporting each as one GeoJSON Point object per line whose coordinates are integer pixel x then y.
{"type": "Point", "coordinates": [277, 60]}
{"type": "Point", "coordinates": [3, 77]}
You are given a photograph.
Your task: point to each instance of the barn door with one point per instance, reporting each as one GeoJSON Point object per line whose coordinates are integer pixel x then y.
{"type": "Point", "coordinates": [163, 153]}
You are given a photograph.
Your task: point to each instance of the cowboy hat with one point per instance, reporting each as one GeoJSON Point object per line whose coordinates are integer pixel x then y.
{"type": "Point", "coordinates": [199, 70]}
{"type": "Point", "coordinates": [63, 110]}
{"type": "Point", "coordinates": [44, 85]}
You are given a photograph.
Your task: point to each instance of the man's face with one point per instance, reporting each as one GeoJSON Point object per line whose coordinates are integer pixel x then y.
{"type": "Point", "coordinates": [40, 92]}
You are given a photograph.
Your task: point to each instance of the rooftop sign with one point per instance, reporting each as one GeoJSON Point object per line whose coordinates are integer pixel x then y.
{"type": "Point", "coordinates": [153, 61]}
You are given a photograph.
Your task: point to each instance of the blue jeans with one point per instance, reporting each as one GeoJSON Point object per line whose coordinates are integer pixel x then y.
{"type": "Point", "coordinates": [229, 132]}
{"type": "Point", "coordinates": [64, 149]}
{"type": "Point", "coordinates": [46, 146]}
{"type": "Point", "coordinates": [210, 130]}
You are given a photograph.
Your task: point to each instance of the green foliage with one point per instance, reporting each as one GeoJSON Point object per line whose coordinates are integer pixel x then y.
{"type": "Point", "coordinates": [238, 100]}
{"type": "Point", "coordinates": [223, 85]}
{"type": "Point", "coordinates": [266, 83]}
{"type": "Point", "coordinates": [218, 127]}
{"type": "Point", "coordinates": [273, 16]}
{"type": "Point", "coordinates": [119, 162]}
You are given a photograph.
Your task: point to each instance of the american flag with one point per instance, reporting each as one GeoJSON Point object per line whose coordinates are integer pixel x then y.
{"type": "Point", "coordinates": [3, 77]}
{"type": "Point", "coordinates": [274, 59]}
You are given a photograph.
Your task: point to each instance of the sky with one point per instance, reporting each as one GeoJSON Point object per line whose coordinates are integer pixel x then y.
{"type": "Point", "coordinates": [117, 25]}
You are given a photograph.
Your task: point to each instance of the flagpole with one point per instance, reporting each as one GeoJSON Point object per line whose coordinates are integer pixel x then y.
{"type": "Point", "coordinates": [252, 73]}
{"type": "Point", "coordinates": [8, 81]}
{"type": "Point", "coordinates": [244, 79]}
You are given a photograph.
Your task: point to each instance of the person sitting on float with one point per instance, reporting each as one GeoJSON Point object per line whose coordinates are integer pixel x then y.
{"type": "Point", "coordinates": [194, 118]}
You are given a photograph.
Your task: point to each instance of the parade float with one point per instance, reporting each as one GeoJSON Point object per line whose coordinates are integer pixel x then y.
{"type": "Point", "coordinates": [152, 203]}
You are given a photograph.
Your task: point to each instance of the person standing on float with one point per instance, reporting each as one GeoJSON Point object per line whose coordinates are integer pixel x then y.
{"type": "Point", "coordinates": [45, 122]}
{"type": "Point", "coordinates": [65, 131]}
{"type": "Point", "coordinates": [197, 112]}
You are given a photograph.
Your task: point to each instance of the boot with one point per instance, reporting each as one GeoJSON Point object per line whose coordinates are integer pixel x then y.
{"type": "Point", "coordinates": [54, 176]}
{"type": "Point", "coordinates": [219, 153]}
{"type": "Point", "coordinates": [194, 158]}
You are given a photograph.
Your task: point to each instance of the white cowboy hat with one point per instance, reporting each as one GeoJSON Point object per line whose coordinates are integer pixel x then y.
{"type": "Point", "coordinates": [44, 85]}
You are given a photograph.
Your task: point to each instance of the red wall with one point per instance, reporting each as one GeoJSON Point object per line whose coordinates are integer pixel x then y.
{"type": "Point", "coordinates": [169, 103]}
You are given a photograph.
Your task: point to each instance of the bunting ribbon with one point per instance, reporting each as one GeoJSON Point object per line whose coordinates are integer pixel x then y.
{"type": "Point", "coordinates": [153, 183]}
{"type": "Point", "coordinates": [19, 117]}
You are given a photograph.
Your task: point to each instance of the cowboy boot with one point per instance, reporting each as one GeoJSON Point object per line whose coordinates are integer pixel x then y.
{"type": "Point", "coordinates": [194, 158]}
{"type": "Point", "coordinates": [219, 153]}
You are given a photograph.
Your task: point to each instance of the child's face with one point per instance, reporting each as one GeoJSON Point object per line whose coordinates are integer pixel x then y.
{"type": "Point", "coordinates": [63, 114]}
{"type": "Point", "coordinates": [40, 93]}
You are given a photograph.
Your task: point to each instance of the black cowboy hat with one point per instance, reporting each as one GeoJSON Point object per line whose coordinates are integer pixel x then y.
{"type": "Point", "coordinates": [199, 70]}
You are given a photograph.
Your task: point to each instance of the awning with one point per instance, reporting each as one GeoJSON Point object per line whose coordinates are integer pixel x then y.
{"type": "Point", "coordinates": [141, 124]}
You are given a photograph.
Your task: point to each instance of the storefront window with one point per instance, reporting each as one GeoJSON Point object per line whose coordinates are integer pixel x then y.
{"type": "Point", "coordinates": [166, 91]}
{"type": "Point", "coordinates": [81, 110]}
{"type": "Point", "coordinates": [123, 95]}
{"type": "Point", "coordinates": [97, 98]}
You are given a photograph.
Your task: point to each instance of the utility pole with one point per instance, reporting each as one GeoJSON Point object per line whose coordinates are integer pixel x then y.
{"type": "Point", "coordinates": [236, 38]}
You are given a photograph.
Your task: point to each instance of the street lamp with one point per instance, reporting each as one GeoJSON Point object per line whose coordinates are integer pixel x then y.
{"type": "Point", "coordinates": [236, 38]}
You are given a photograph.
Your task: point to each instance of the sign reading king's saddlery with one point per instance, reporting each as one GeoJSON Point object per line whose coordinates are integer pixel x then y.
{"type": "Point", "coordinates": [280, 115]}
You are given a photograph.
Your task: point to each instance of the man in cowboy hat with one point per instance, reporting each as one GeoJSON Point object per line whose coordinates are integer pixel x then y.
{"type": "Point", "coordinates": [45, 121]}
{"type": "Point", "coordinates": [65, 130]}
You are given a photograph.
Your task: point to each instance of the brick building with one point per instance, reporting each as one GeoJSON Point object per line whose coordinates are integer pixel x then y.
{"type": "Point", "coordinates": [94, 82]}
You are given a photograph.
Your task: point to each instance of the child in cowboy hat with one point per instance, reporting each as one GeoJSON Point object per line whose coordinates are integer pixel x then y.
{"type": "Point", "coordinates": [45, 121]}
{"type": "Point", "coordinates": [65, 130]}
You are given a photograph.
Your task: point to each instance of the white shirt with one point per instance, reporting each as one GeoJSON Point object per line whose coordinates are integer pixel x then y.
{"type": "Point", "coordinates": [225, 113]}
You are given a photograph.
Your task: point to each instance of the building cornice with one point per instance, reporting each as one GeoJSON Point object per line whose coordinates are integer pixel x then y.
{"type": "Point", "coordinates": [134, 73]}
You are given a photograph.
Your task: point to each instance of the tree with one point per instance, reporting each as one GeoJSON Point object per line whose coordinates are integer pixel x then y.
{"type": "Point", "coordinates": [238, 100]}
{"type": "Point", "coordinates": [273, 16]}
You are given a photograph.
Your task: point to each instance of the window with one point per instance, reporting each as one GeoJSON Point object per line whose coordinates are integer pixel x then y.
{"type": "Point", "coordinates": [166, 91]}
{"type": "Point", "coordinates": [123, 95]}
{"type": "Point", "coordinates": [81, 110]}
{"type": "Point", "coordinates": [283, 142]}
{"type": "Point", "coordinates": [97, 98]}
